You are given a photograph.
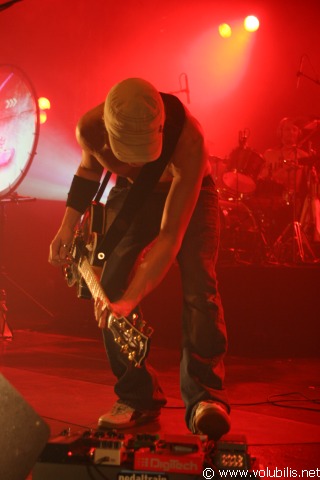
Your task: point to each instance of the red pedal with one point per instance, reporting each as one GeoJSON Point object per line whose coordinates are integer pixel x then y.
{"type": "Point", "coordinates": [174, 453]}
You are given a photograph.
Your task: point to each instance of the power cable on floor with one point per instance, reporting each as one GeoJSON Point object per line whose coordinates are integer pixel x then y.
{"type": "Point", "coordinates": [277, 401]}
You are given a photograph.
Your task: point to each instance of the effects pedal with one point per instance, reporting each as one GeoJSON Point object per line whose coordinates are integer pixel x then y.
{"type": "Point", "coordinates": [173, 453]}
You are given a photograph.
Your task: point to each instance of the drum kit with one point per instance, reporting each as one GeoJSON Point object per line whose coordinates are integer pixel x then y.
{"type": "Point", "coordinates": [259, 218]}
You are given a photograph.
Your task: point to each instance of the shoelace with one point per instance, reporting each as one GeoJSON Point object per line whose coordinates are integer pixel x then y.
{"type": "Point", "coordinates": [120, 408]}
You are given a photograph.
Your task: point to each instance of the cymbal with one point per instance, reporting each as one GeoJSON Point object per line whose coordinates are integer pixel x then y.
{"type": "Point", "coordinates": [309, 161]}
{"type": "Point", "coordinates": [238, 182]}
{"type": "Point", "coordinates": [312, 124]}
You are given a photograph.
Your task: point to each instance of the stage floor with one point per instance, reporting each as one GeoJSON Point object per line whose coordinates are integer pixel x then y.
{"type": "Point", "coordinates": [275, 401]}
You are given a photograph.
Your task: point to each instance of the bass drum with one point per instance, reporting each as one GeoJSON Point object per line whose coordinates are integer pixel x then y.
{"type": "Point", "coordinates": [240, 237]}
{"type": "Point", "coordinates": [243, 168]}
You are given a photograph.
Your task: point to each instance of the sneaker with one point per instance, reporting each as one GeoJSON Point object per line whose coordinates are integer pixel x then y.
{"type": "Point", "coordinates": [124, 416]}
{"type": "Point", "coordinates": [210, 418]}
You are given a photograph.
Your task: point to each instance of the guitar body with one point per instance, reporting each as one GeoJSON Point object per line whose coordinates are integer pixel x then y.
{"type": "Point", "coordinates": [130, 333]}
{"type": "Point", "coordinates": [92, 228]}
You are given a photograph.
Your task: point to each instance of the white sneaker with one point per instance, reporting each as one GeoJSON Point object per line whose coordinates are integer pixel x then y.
{"type": "Point", "coordinates": [210, 418]}
{"type": "Point", "coordinates": [124, 416]}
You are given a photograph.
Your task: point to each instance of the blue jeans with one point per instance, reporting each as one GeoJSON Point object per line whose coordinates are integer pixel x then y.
{"type": "Point", "coordinates": [204, 339]}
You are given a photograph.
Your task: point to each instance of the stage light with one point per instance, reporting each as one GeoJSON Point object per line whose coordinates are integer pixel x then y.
{"type": "Point", "coordinates": [44, 103]}
{"type": "Point", "coordinates": [43, 117]}
{"type": "Point", "coordinates": [225, 30]}
{"type": "Point", "coordinates": [251, 23]}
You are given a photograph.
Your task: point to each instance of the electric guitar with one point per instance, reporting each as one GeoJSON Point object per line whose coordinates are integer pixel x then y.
{"type": "Point", "coordinates": [131, 333]}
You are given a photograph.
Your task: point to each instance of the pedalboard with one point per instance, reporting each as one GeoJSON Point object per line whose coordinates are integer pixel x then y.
{"type": "Point", "coordinates": [120, 456]}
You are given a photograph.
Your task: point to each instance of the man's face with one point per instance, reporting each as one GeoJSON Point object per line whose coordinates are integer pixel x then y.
{"type": "Point", "coordinates": [290, 134]}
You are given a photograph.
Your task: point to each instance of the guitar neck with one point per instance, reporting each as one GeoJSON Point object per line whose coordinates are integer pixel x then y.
{"type": "Point", "coordinates": [91, 280]}
{"type": "Point", "coordinates": [130, 334]}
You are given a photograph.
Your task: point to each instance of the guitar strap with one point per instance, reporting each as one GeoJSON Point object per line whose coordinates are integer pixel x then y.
{"type": "Point", "coordinates": [102, 187]}
{"type": "Point", "coordinates": [146, 180]}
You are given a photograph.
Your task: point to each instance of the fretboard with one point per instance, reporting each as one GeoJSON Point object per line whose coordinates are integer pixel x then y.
{"type": "Point", "coordinates": [91, 280]}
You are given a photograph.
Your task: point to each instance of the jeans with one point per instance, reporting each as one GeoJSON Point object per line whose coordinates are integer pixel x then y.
{"type": "Point", "coordinates": [204, 338]}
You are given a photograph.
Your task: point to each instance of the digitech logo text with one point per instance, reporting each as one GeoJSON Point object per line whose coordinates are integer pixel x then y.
{"type": "Point", "coordinates": [168, 465]}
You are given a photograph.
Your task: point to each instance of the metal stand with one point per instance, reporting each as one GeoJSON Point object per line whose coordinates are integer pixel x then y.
{"type": "Point", "coordinates": [292, 245]}
{"type": "Point", "coordinates": [5, 329]}
{"type": "Point", "coordinates": [310, 215]}
{"type": "Point", "coordinates": [6, 332]}
{"type": "Point", "coordinates": [293, 238]}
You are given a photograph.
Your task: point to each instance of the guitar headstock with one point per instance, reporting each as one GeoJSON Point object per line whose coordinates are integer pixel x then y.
{"type": "Point", "coordinates": [132, 335]}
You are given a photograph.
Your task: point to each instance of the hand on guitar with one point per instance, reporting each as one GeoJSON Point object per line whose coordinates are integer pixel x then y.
{"type": "Point", "coordinates": [60, 246]}
{"type": "Point", "coordinates": [118, 309]}
{"type": "Point", "coordinates": [101, 310]}
{"type": "Point", "coordinates": [62, 242]}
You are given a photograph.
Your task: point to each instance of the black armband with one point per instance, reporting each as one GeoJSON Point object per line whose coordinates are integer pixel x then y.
{"type": "Point", "coordinates": [81, 193]}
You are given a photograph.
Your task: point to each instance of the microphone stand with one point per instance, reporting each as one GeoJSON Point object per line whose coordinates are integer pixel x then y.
{"type": "Point", "coordinates": [184, 89]}
{"type": "Point", "coordinates": [314, 80]}
{"type": "Point", "coordinates": [6, 331]}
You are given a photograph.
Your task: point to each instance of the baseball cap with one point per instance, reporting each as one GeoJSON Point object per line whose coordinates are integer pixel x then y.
{"type": "Point", "coordinates": [134, 117]}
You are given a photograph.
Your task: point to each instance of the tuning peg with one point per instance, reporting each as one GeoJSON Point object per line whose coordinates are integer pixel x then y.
{"type": "Point", "coordinates": [142, 325]}
{"type": "Point", "coordinates": [149, 331]}
{"type": "Point", "coordinates": [67, 272]}
{"type": "Point", "coordinates": [134, 319]}
{"type": "Point", "coordinates": [121, 323]}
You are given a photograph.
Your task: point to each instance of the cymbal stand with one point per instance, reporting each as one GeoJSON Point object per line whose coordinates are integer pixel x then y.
{"type": "Point", "coordinates": [6, 331]}
{"type": "Point", "coordinates": [293, 235]}
{"type": "Point", "coordinates": [310, 215]}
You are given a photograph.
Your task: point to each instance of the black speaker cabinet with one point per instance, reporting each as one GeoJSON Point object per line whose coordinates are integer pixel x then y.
{"type": "Point", "coordinates": [23, 434]}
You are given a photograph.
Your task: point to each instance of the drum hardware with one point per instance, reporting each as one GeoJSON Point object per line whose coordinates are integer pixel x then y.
{"type": "Point", "coordinates": [242, 240]}
{"type": "Point", "coordinates": [310, 215]}
{"type": "Point", "coordinates": [292, 245]}
{"type": "Point", "coordinates": [301, 249]}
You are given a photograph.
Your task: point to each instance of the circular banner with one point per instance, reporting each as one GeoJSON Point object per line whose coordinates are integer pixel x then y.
{"type": "Point", "coordinates": [19, 127]}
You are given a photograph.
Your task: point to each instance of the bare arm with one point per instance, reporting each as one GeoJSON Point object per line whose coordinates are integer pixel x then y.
{"type": "Point", "coordinates": [190, 163]}
{"type": "Point", "coordinates": [90, 169]}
